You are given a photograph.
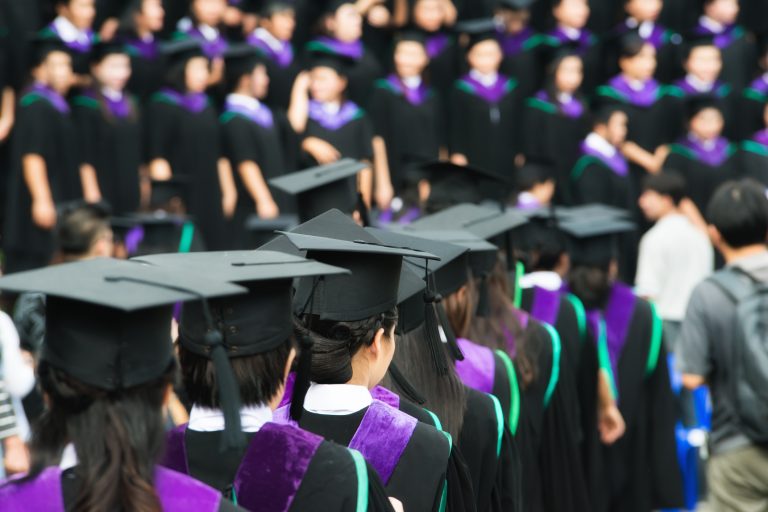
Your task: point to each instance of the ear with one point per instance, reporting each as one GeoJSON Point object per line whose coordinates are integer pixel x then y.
{"type": "Point", "coordinates": [714, 235]}
{"type": "Point", "coordinates": [461, 293]}
{"type": "Point", "coordinates": [167, 395]}
{"type": "Point", "coordinates": [376, 347]}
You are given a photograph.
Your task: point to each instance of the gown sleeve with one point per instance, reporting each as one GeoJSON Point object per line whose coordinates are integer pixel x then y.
{"type": "Point", "coordinates": [593, 186]}
{"type": "Point", "coordinates": [456, 134]}
{"type": "Point", "coordinates": [459, 495]}
{"type": "Point", "coordinates": [237, 143]}
{"type": "Point", "coordinates": [161, 128]}
{"type": "Point", "coordinates": [30, 132]}
{"type": "Point", "coordinates": [378, 501]}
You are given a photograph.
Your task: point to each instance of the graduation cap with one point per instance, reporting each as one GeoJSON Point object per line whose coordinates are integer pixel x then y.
{"type": "Point", "coordinates": [593, 240]}
{"type": "Point", "coordinates": [241, 59]}
{"type": "Point", "coordinates": [261, 231]}
{"type": "Point", "coordinates": [108, 322]}
{"type": "Point", "coordinates": [411, 35]}
{"type": "Point", "coordinates": [454, 184]}
{"type": "Point", "coordinates": [154, 233]}
{"type": "Point", "coordinates": [181, 50]}
{"type": "Point", "coordinates": [516, 5]}
{"type": "Point", "coordinates": [169, 194]}
{"type": "Point", "coordinates": [103, 49]}
{"type": "Point", "coordinates": [321, 188]}
{"type": "Point", "coordinates": [478, 30]}
{"type": "Point", "coordinates": [481, 221]}
{"type": "Point", "coordinates": [697, 40]}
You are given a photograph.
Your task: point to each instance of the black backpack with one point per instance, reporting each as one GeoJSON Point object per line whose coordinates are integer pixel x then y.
{"type": "Point", "coordinates": [749, 389]}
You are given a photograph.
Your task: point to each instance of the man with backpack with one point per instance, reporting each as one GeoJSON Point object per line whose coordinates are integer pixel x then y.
{"type": "Point", "coordinates": [724, 344]}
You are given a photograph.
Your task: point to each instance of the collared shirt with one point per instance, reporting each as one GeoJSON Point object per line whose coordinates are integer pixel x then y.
{"type": "Point", "coordinates": [331, 107]}
{"type": "Point", "coordinates": [248, 102]}
{"type": "Point", "coordinates": [252, 418]}
{"type": "Point", "coordinates": [68, 457]}
{"type": "Point", "coordinates": [337, 399]}
{"type": "Point", "coordinates": [208, 32]}
{"type": "Point", "coordinates": [564, 97]}
{"type": "Point", "coordinates": [571, 33]}
{"type": "Point", "coordinates": [70, 33]}
{"type": "Point", "coordinates": [412, 82]}
{"type": "Point", "coordinates": [543, 279]}
{"type": "Point", "coordinates": [699, 84]}
{"type": "Point", "coordinates": [266, 36]}
{"type": "Point", "coordinates": [112, 94]}
{"type": "Point", "coordinates": [599, 144]}
{"type": "Point", "coordinates": [706, 144]}
{"type": "Point", "coordinates": [487, 79]}
{"type": "Point", "coordinates": [712, 25]}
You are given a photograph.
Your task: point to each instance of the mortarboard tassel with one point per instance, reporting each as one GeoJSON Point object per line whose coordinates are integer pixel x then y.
{"type": "Point", "coordinates": [450, 336]}
{"type": "Point", "coordinates": [431, 327]}
{"type": "Point", "coordinates": [404, 385]}
{"type": "Point", "coordinates": [483, 306]}
{"type": "Point", "coordinates": [304, 365]}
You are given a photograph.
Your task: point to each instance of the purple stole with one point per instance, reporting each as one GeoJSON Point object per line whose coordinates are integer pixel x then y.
{"type": "Point", "coordinates": [194, 103]}
{"type": "Point", "coordinates": [56, 100]}
{"type": "Point", "coordinates": [513, 44]}
{"type": "Point", "coordinates": [546, 305]}
{"type": "Point", "coordinates": [761, 137]}
{"type": "Point", "coordinates": [492, 94]}
{"type": "Point", "coordinates": [690, 90]}
{"type": "Point", "coordinates": [713, 157]}
{"type": "Point", "coordinates": [75, 46]}
{"type": "Point", "coordinates": [572, 108]}
{"type": "Point", "coordinates": [349, 111]}
{"type": "Point", "coordinates": [616, 319]}
{"type": "Point", "coordinates": [177, 492]}
{"type": "Point", "coordinates": [272, 468]}
{"type": "Point", "coordinates": [262, 115]}
{"type": "Point", "coordinates": [644, 97]}
{"type": "Point", "coordinates": [584, 40]}
{"type": "Point", "coordinates": [617, 163]}
{"type": "Point", "coordinates": [120, 109]}
{"type": "Point", "coordinates": [149, 50]}
{"type": "Point", "coordinates": [211, 49]}
{"type": "Point", "coordinates": [282, 57]}
{"type": "Point", "coordinates": [353, 50]}
{"type": "Point", "coordinates": [477, 370]}
{"type": "Point", "coordinates": [723, 39]}
{"type": "Point", "coordinates": [657, 37]}
{"type": "Point", "coordinates": [413, 96]}
{"type": "Point", "coordinates": [378, 393]}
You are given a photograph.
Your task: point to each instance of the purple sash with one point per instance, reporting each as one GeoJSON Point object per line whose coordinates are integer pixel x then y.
{"type": "Point", "coordinates": [546, 305]}
{"type": "Point", "coordinates": [478, 367]}
{"type": "Point", "coordinates": [148, 50]}
{"type": "Point", "coordinates": [713, 156]}
{"type": "Point", "coordinates": [282, 57]}
{"type": "Point", "coordinates": [350, 49]}
{"type": "Point", "coordinates": [288, 395]}
{"type": "Point", "coordinates": [382, 394]}
{"type": "Point", "coordinates": [54, 98]}
{"type": "Point", "coordinates": [382, 437]}
{"type": "Point", "coordinates": [618, 315]}
{"type": "Point", "coordinates": [492, 94]}
{"type": "Point", "coordinates": [211, 49]}
{"type": "Point", "coordinates": [413, 96]}
{"type": "Point", "coordinates": [644, 97]}
{"type": "Point", "coordinates": [76, 45]}
{"type": "Point", "coordinates": [761, 137]}
{"type": "Point", "coordinates": [584, 40]}
{"type": "Point", "coordinates": [721, 39]}
{"type": "Point", "coordinates": [272, 468]}
{"type": "Point", "coordinates": [617, 163]}
{"type": "Point", "coordinates": [192, 102]}
{"type": "Point", "coordinates": [177, 492]}
{"type": "Point", "coordinates": [261, 115]}
{"type": "Point", "coordinates": [512, 44]}
{"type": "Point", "coordinates": [333, 121]}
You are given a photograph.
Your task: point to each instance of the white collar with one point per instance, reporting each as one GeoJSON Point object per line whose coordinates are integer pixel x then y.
{"type": "Point", "coordinates": [644, 29]}
{"type": "Point", "coordinates": [411, 82]}
{"type": "Point", "coordinates": [570, 32]}
{"type": "Point", "coordinates": [712, 25]}
{"type": "Point", "coordinates": [209, 33]}
{"type": "Point", "coordinates": [564, 97]}
{"type": "Point", "coordinates": [248, 102]}
{"type": "Point", "coordinates": [599, 144]}
{"type": "Point", "coordinates": [706, 144]}
{"type": "Point", "coordinates": [337, 399]}
{"type": "Point", "coordinates": [68, 32]}
{"type": "Point", "coordinates": [68, 457]}
{"type": "Point", "coordinates": [487, 80]}
{"type": "Point", "coordinates": [252, 418]}
{"type": "Point", "coordinates": [266, 36]}
{"type": "Point", "coordinates": [543, 279]}
{"type": "Point", "coordinates": [635, 85]}
{"type": "Point", "coordinates": [331, 107]}
{"type": "Point", "coordinates": [699, 84]}
{"type": "Point", "coordinates": [111, 94]}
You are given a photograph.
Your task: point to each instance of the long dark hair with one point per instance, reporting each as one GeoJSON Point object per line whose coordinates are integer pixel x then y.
{"type": "Point", "coordinates": [591, 284]}
{"type": "Point", "coordinates": [118, 437]}
{"type": "Point", "coordinates": [445, 394]}
{"type": "Point", "coordinates": [549, 86]}
{"type": "Point", "coordinates": [335, 343]}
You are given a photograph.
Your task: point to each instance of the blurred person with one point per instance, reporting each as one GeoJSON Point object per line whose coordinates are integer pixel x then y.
{"type": "Point", "coordinates": [141, 23]}
{"type": "Point", "coordinates": [203, 24]}
{"type": "Point", "coordinates": [74, 28]}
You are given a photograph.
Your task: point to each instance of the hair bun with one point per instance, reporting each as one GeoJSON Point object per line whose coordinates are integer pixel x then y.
{"type": "Point", "coordinates": [340, 332]}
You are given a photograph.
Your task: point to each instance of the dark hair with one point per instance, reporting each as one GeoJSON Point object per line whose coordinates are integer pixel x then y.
{"type": "Point", "coordinates": [79, 227]}
{"type": "Point", "coordinates": [603, 114]}
{"type": "Point", "coordinates": [335, 343]}
{"type": "Point", "coordinates": [591, 284]}
{"type": "Point", "coordinates": [666, 184]}
{"type": "Point", "coordinates": [547, 246]}
{"type": "Point", "coordinates": [445, 394]}
{"type": "Point", "coordinates": [259, 377]}
{"type": "Point", "coordinates": [553, 66]}
{"type": "Point", "coordinates": [118, 437]}
{"type": "Point", "coordinates": [631, 45]}
{"type": "Point", "coordinates": [739, 211]}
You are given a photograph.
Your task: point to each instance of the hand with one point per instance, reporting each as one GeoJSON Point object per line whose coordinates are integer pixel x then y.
{"type": "Point", "coordinates": [267, 209]}
{"type": "Point", "coordinates": [611, 424]}
{"type": "Point", "coordinates": [383, 195]}
{"type": "Point", "coordinates": [228, 204]}
{"type": "Point", "coordinates": [44, 214]}
{"type": "Point", "coordinates": [320, 150]}
{"type": "Point", "coordinates": [459, 159]}
{"type": "Point", "coordinates": [16, 456]}
{"type": "Point", "coordinates": [396, 504]}
{"type": "Point", "coordinates": [5, 127]}
{"type": "Point", "coordinates": [302, 82]}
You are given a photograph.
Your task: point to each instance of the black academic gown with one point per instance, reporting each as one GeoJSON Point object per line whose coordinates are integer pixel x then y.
{"type": "Point", "coordinates": [353, 140]}
{"type": "Point", "coordinates": [113, 146]}
{"type": "Point", "coordinates": [739, 55]}
{"type": "Point", "coordinates": [330, 482]}
{"type": "Point", "coordinates": [425, 466]}
{"type": "Point", "coordinates": [273, 148]}
{"type": "Point", "coordinates": [594, 181]}
{"type": "Point", "coordinates": [49, 133]}
{"type": "Point", "coordinates": [148, 66]}
{"type": "Point", "coordinates": [523, 60]}
{"type": "Point", "coordinates": [190, 142]}
{"type": "Point", "coordinates": [750, 107]}
{"type": "Point", "coordinates": [753, 159]}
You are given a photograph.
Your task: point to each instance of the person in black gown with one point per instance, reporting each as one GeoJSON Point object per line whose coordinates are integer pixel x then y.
{"type": "Point", "coordinates": [74, 27]}
{"type": "Point", "coordinates": [45, 160]}
{"type": "Point", "coordinates": [108, 130]}
{"type": "Point", "coordinates": [184, 141]}
{"type": "Point", "coordinates": [204, 24]}
{"type": "Point", "coordinates": [258, 140]}
{"type": "Point", "coordinates": [107, 373]}
{"type": "Point", "coordinates": [753, 97]}
{"type": "Point", "coordinates": [640, 470]}
{"type": "Point", "coordinates": [142, 22]}
{"type": "Point", "coordinates": [571, 18]}
{"type": "Point", "coordinates": [260, 347]}
{"type": "Point", "coordinates": [351, 321]}
{"type": "Point", "coordinates": [521, 44]}
{"type": "Point", "coordinates": [754, 153]}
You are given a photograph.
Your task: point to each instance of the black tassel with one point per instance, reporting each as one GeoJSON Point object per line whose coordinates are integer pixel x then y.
{"type": "Point", "coordinates": [432, 334]}
{"type": "Point", "coordinates": [229, 393]}
{"type": "Point", "coordinates": [483, 306]}
{"type": "Point", "coordinates": [450, 336]}
{"type": "Point", "coordinates": [362, 209]}
{"type": "Point", "coordinates": [303, 371]}
{"type": "Point", "coordinates": [405, 386]}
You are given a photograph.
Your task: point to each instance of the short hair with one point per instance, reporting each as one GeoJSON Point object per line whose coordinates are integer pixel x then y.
{"type": "Point", "coordinates": [79, 227]}
{"type": "Point", "coordinates": [259, 377]}
{"type": "Point", "coordinates": [739, 211]}
{"type": "Point", "coordinates": [666, 184]}
{"type": "Point", "coordinates": [603, 114]}
{"type": "Point", "coordinates": [631, 45]}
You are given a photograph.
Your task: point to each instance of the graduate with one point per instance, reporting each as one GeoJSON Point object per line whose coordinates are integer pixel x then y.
{"type": "Point", "coordinates": [260, 345]}
{"type": "Point", "coordinates": [203, 24]}
{"type": "Point", "coordinates": [258, 140]}
{"type": "Point", "coordinates": [754, 153]}
{"type": "Point", "coordinates": [753, 97]}
{"type": "Point", "coordinates": [107, 370]}
{"type": "Point", "coordinates": [570, 29]}
{"type": "Point", "coordinates": [521, 45]}
{"type": "Point", "coordinates": [535, 186]}
{"type": "Point", "coordinates": [408, 124]}
{"type": "Point", "coordinates": [432, 18]}
{"type": "Point", "coordinates": [45, 160]}
{"type": "Point", "coordinates": [342, 31]}
{"type": "Point", "coordinates": [719, 21]}
{"type": "Point", "coordinates": [351, 322]}
{"type": "Point", "coordinates": [640, 471]}
{"type": "Point", "coordinates": [184, 141]}
{"type": "Point", "coordinates": [143, 22]}
{"type": "Point", "coordinates": [485, 110]}
{"type": "Point", "coordinates": [73, 27]}
{"type": "Point", "coordinates": [556, 119]}
{"type": "Point", "coordinates": [703, 157]}
{"type": "Point", "coordinates": [109, 132]}
{"type": "Point", "coordinates": [273, 37]}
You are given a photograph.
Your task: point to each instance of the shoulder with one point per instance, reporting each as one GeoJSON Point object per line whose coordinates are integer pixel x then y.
{"type": "Point", "coordinates": [86, 102]}
{"type": "Point", "coordinates": [181, 492]}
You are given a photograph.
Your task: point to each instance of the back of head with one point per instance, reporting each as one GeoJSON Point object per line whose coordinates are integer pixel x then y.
{"type": "Point", "coordinates": [671, 185]}
{"type": "Point", "coordinates": [739, 212]}
{"type": "Point", "coordinates": [79, 228]}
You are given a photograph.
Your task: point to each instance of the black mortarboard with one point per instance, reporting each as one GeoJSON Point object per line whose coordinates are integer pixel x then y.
{"type": "Point", "coordinates": [335, 239]}
{"type": "Point", "coordinates": [172, 193]}
{"type": "Point", "coordinates": [593, 240]}
{"type": "Point", "coordinates": [240, 59]}
{"type": "Point", "coordinates": [324, 58]}
{"type": "Point", "coordinates": [533, 173]}
{"type": "Point", "coordinates": [154, 233]}
{"type": "Point", "coordinates": [516, 5]}
{"type": "Point", "coordinates": [261, 231]}
{"type": "Point", "coordinates": [102, 49]}
{"type": "Point", "coordinates": [454, 184]}
{"type": "Point", "coordinates": [478, 30]}
{"type": "Point", "coordinates": [322, 188]}
{"type": "Point", "coordinates": [481, 221]}
{"type": "Point", "coordinates": [587, 211]}
{"type": "Point", "coordinates": [108, 322]}
{"type": "Point", "coordinates": [43, 44]}
{"type": "Point", "coordinates": [181, 50]}
{"type": "Point", "coordinates": [696, 41]}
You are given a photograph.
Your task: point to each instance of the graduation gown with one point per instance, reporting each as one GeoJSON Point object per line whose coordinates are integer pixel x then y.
{"type": "Point", "coordinates": [485, 123]}
{"type": "Point", "coordinates": [185, 132]}
{"type": "Point", "coordinates": [444, 64]}
{"type": "Point", "coordinates": [411, 123]}
{"type": "Point", "coordinates": [44, 127]}
{"type": "Point", "coordinates": [349, 130]}
{"type": "Point", "coordinates": [148, 67]}
{"type": "Point", "coordinates": [80, 51]}
{"type": "Point", "coordinates": [641, 472]}
{"type": "Point", "coordinates": [588, 46]}
{"type": "Point", "coordinates": [282, 66]}
{"type": "Point", "coordinates": [263, 136]}
{"type": "Point", "coordinates": [703, 169]}
{"type": "Point", "coordinates": [281, 468]}
{"type": "Point", "coordinates": [597, 178]}
{"type": "Point", "coordinates": [666, 42]}
{"type": "Point", "coordinates": [109, 133]}
{"type": "Point", "coordinates": [751, 106]}
{"type": "Point", "coordinates": [739, 54]}
{"type": "Point", "coordinates": [554, 131]}
{"type": "Point", "coordinates": [683, 90]}
{"type": "Point", "coordinates": [55, 490]}
{"type": "Point", "coordinates": [523, 59]}
{"type": "Point", "coordinates": [753, 157]}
